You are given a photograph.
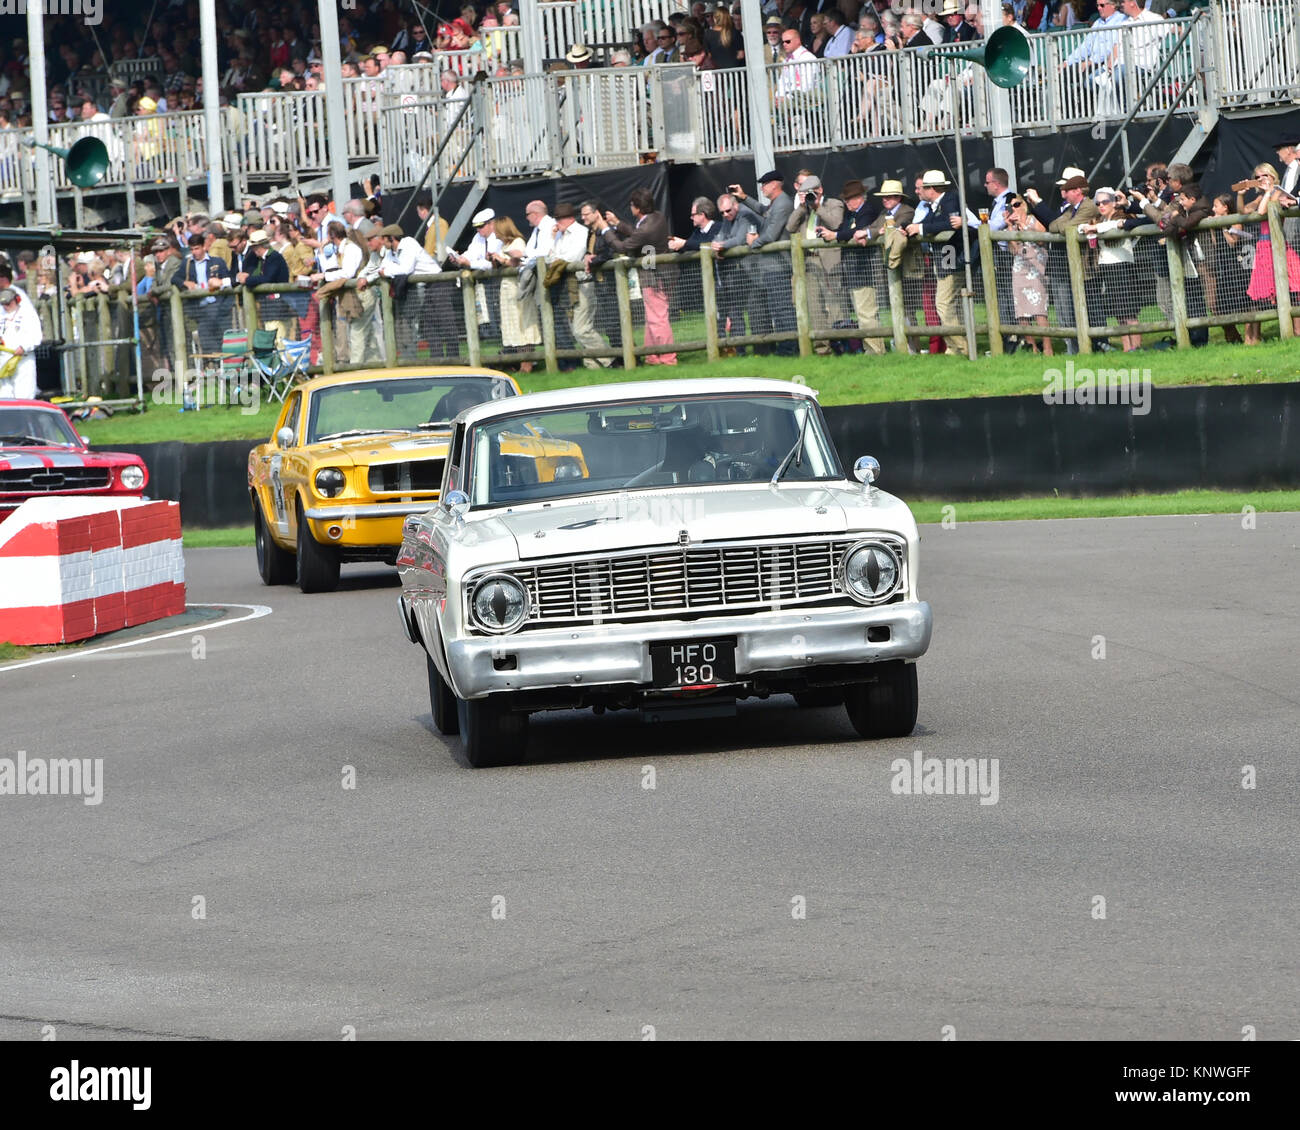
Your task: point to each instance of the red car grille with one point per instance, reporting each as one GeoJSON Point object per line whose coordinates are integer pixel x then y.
{"type": "Point", "coordinates": [44, 479]}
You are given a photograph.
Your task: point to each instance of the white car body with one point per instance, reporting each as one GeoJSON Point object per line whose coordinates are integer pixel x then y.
{"type": "Point", "coordinates": [609, 574]}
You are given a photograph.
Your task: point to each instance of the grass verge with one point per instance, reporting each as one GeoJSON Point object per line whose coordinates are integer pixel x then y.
{"type": "Point", "coordinates": [849, 379]}
{"type": "Point", "coordinates": [223, 536]}
{"type": "Point", "coordinates": [1123, 506]}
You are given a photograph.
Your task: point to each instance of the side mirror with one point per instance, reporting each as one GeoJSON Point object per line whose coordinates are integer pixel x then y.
{"type": "Point", "coordinates": [284, 437]}
{"type": "Point", "coordinates": [866, 470]}
{"type": "Point", "coordinates": [456, 502]}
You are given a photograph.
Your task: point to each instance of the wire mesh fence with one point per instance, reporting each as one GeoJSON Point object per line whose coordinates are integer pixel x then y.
{"type": "Point", "coordinates": [429, 320]}
{"type": "Point", "coordinates": [1108, 285]}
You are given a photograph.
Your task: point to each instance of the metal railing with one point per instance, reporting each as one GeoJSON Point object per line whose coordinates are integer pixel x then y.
{"type": "Point", "coordinates": [1257, 45]}
{"type": "Point", "coordinates": [570, 121]}
{"type": "Point", "coordinates": [598, 23]}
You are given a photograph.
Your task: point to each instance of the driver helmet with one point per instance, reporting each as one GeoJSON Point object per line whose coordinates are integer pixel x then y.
{"type": "Point", "coordinates": [736, 441]}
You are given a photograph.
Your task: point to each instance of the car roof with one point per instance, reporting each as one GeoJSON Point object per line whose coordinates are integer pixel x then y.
{"type": "Point", "coordinates": [635, 390]}
{"type": "Point", "coordinates": [30, 404]}
{"type": "Point", "coordinates": [414, 372]}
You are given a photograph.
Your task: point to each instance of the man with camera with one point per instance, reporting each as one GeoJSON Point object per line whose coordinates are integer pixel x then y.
{"type": "Point", "coordinates": [818, 218]}
{"type": "Point", "coordinates": [773, 209]}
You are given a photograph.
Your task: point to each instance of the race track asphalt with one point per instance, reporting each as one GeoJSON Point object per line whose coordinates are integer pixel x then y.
{"type": "Point", "coordinates": [618, 907]}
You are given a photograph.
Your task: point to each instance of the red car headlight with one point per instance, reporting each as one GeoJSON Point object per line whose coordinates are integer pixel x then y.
{"type": "Point", "coordinates": [132, 477]}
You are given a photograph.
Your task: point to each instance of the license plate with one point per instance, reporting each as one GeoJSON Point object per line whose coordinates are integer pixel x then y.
{"type": "Point", "coordinates": [679, 664]}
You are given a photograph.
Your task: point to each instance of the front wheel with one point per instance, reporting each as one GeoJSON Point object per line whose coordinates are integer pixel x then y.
{"type": "Point", "coordinates": [491, 734]}
{"type": "Point", "coordinates": [443, 703]}
{"type": "Point", "coordinates": [886, 706]}
{"type": "Point", "coordinates": [273, 563]}
{"type": "Point", "coordinates": [318, 565]}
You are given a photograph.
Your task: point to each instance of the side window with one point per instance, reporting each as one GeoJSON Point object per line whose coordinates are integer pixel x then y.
{"type": "Point", "coordinates": [455, 459]}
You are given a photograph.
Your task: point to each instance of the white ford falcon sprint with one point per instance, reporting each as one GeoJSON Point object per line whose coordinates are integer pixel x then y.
{"type": "Point", "coordinates": [670, 547]}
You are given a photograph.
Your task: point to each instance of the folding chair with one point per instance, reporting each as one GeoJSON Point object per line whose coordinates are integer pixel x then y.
{"type": "Point", "coordinates": [236, 364]}
{"type": "Point", "coordinates": [281, 367]}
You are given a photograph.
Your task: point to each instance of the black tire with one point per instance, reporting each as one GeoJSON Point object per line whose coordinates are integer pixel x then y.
{"type": "Point", "coordinates": [275, 565]}
{"type": "Point", "coordinates": [318, 565]}
{"type": "Point", "coordinates": [491, 734]}
{"type": "Point", "coordinates": [819, 697]}
{"type": "Point", "coordinates": [445, 715]}
{"type": "Point", "coordinates": [886, 706]}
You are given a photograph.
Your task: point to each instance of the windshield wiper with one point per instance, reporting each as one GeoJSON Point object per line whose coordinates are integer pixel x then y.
{"type": "Point", "coordinates": [444, 425]}
{"type": "Point", "coordinates": [18, 437]}
{"type": "Point", "coordinates": [796, 452]}
{"type": "Point", "coordinates": [356, 432]}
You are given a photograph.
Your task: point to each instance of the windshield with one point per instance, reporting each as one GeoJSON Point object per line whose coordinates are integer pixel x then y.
{"type": "Point", "coordinates": [36, 425]}
{"type": "Point", "coordinates": [647, 444]}
{"type": "Point", "coordinates": [399, 404]}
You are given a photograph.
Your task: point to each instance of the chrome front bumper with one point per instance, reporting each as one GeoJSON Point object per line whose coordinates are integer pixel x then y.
{"type": "Point", "coordinates": [374, 510]}
{"type": "Point", "coordinates": [618, 653]}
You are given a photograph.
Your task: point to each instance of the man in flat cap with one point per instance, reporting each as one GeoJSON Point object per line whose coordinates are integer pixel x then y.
{"type": "Point", "coordinates": [773, 209]}
{"type": "Point", "coordinates": [1076, 208]}
{"type": "Point", "coordinates": [478, 257]}
{"type": "Point", "coordinates": [268, 269]}
{"type": "Point", "coordinates": [423, 310]}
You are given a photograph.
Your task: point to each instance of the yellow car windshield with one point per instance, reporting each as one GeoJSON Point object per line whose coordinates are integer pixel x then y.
{"type": "Point", "coordinates": [399, 404]}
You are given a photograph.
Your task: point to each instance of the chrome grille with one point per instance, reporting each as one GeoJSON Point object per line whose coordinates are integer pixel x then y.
{"type": "Point", "coordinates": [46, 479]}
{"type": "Point", "coordinates": [698, 579]}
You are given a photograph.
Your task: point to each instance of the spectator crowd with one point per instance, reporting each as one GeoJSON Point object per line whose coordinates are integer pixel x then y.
{"type": "Point", "coordinates": [311, 247]}
{"type": "Point", "coordinates": [277, 46]}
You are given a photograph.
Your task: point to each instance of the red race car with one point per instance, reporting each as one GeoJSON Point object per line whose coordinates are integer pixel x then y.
{"type": "Point", "coordinates": [42, 455]}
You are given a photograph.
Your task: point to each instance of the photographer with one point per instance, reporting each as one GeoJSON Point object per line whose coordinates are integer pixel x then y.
{"type": "Point", "coordinates": [1263, 287]}
{"type": "Point", "coordinates": [818, 217]}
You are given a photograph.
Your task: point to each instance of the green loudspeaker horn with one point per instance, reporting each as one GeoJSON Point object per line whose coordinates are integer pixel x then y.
{"type": "Point", "coordinates": [85, 163]}
{"type": "Point", "coordinates": [1005, 56]}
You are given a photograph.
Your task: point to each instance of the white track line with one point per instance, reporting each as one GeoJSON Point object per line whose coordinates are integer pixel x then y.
{"type": "Point", "coordinates": [256, 611]}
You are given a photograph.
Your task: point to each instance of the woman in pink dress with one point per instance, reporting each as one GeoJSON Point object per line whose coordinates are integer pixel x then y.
{"type": "Point", "coordinates": [1262, 289]}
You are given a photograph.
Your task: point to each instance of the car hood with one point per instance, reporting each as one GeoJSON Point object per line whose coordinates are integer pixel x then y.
{"type": "Point", "coordinates": [628, 520]}
{"type": "Point", "coordinates": [31, 457]}
{"type": "Point", "coordinates": [366, 451]}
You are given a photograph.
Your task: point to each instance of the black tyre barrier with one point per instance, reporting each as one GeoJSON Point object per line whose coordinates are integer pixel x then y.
{"type": "Point", "coordinates": [1240, 437]}
{"type": "Point", "coordinates": [209, 480]}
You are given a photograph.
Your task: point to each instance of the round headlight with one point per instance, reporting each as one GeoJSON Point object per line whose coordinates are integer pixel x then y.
{"type": "Point", "coordinates": [499, 603]}
{"type": "Point", "coordinates": [872, 572]}
{"type": "Point", "coordinates": [132, 477]}
{"type": "Point", "coordinates": [566, 467]}
{"type": "Point", "coordinates": [329, 481]}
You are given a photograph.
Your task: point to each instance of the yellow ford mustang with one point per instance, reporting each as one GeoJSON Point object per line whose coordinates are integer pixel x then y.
{"type": "Point", "coordinates": [352, 455]}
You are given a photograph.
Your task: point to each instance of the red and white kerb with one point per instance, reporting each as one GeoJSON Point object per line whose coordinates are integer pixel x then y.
{"type": "Point", "coordinates": [71, 568]}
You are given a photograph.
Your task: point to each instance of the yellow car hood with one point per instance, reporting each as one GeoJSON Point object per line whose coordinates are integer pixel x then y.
{"type": "Point", "coordinates": [367, 451]}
